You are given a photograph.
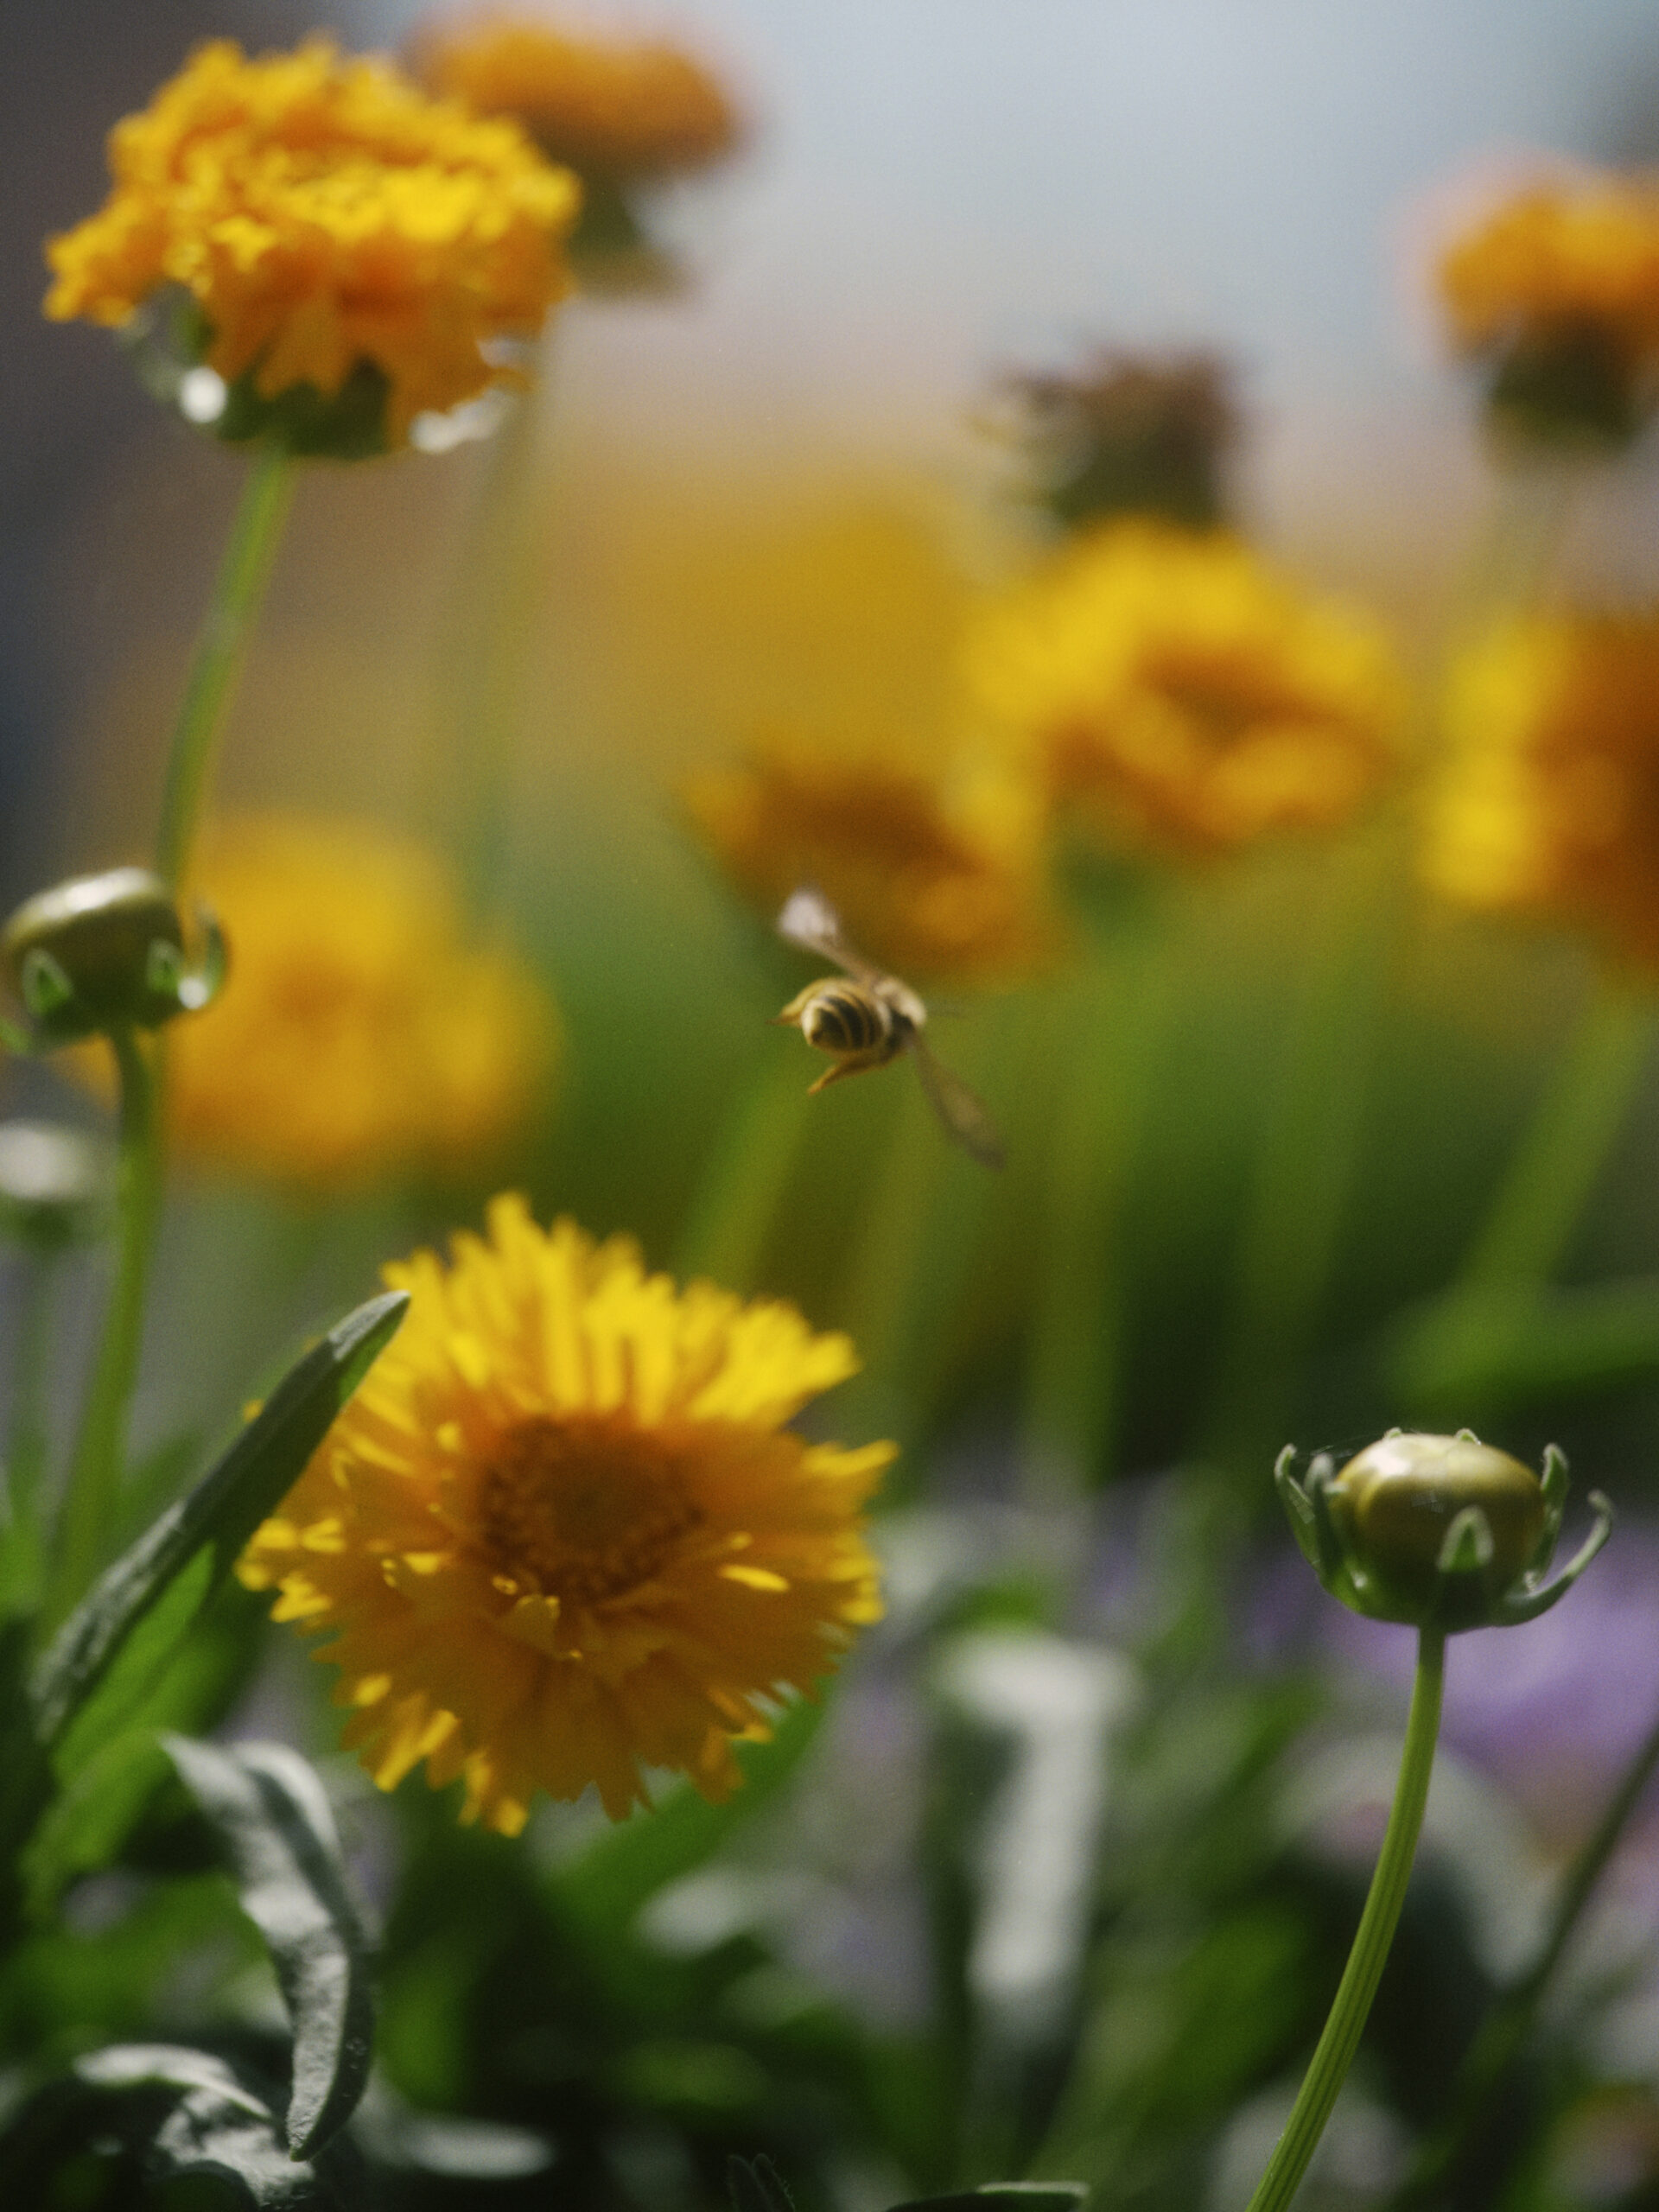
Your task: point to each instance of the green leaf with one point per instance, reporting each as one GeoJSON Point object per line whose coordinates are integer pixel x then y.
{"type": "Point", "coordinates": [603, 1891]}
{"type": "Point", "coordinates": [268, 1806]}
{"type": "Point", "coordinates": [1005, 2197]}
{"type": "Point", "coordinates": [136, 1616]}
{"type": "Point", "coordinates": [757, 2186]}
{"type": "Point", "coordinates": [177, 2111]}
{"type": "Point", "coordinates": [88, 1822]}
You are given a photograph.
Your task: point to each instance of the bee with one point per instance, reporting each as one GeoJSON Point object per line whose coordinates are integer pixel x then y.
{"type": "Point", "coordinates": [863, 1019]}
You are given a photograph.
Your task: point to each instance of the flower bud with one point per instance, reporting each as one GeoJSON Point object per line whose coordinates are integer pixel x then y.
{"type": "Point", "coordinates": [1396, 1503]}
{"type": "Point", "coordinates": [99, 952]}
{"type": "Point", "coordinates": [1442, 1532]}
{"type": "Point", "coordinates": [56, 1184]}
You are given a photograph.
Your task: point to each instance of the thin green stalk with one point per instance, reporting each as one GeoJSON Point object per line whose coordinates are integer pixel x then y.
{"type": "Point", "coordinates": [27, 1443]}
{"type": "Point", "coordinates": [1489, 2064]}
{"type": "Point", "coordinates": [1334, 2053]}
{"type": "Point", "coordinates": [883, 1283]}
{"type": "Point", "coordinates": [492, 628]}
{"type": "Point", "coordinates": [1112, 1025]}
{"type": "Point", "coordinates": [1554, 1167]}
{"type": "Point", "coordinates": [729, 1222]}
{"type": "Point", "coordinates": [96, 1468]}
{"type": "Point", "coordinates": [239, 591]}
{"type": "Point", "coordinates": [1305, 1163]}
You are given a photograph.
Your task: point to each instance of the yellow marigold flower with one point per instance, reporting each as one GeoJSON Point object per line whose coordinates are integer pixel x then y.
{"type": "Point", "coordinates": [1185, 695]}
{"type": "Point", "coordinates": [1549, 803]}
{"type": "Point", "coordinates": [611, 109]}
{"type": "Point", "coordinates": [1558, 288]}
{"type": "Point", "coordinates": [561, 1534]}
{"type": "Point", "coordinates": [933, 874]}
{"type": "Point", "coordinates": [357, 1036]}
{"type": "Point", "coordinates": [323, 213]}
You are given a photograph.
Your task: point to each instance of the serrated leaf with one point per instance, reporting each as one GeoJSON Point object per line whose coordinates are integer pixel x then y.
{"type": "Point", "coordinates": [136, 1615]}
{"type": "Point", "coordinates": [179, 2111]}
{"type": "Point", "coordinates": [270, 1809]}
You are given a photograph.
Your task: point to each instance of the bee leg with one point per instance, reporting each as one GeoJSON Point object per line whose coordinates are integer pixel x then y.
{"type": "Point", "coordinates": [853, 1064]}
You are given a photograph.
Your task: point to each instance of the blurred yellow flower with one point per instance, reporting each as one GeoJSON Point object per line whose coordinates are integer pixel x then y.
{"type": "Point", "coordinates": [1559, 287]}
{"type": "Point", "coordinates": [560, 1533]}
{"type": "Point", "coordinates": [1182, 694]}
{"type": "Point", "coordinates": [933, 873]}
{"type": "Point", "coordinates": [324, 213]}
{"type": "Point", "coordinates": [358, 1038]}
{"type": "Point", "coordinates": [612, 109]}
{"type": "Point", "coordinates": [1549, 801]}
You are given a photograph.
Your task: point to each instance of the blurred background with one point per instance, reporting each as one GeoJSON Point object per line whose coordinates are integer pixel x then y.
{"type": "Point", "coordinates": [769, 493]}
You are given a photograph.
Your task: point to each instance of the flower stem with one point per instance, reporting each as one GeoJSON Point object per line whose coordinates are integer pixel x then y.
{"type": "Point", "coordinates": [1328, 2069]}
{"type": "Point", "coordinates": [1555, 1166]}
{"type": "Point", "coordinates": [1113, 1026]}
{"type": "Point", "coordinates": [238, 593]}
{"type": "Point", "coordinates": [733, 1211]}
{"type": "Point", "coordinates": [96, 1468]}
{"type": "Point", "coordinates": [1461, 2137]}
{"type": "Point", "coordinates": [27, 1442]}
{"type": "Point", "coordinates": [1306, 1160]}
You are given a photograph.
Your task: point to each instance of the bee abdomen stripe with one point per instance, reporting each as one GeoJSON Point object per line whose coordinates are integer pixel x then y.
{"type": "Point", "coordinates": [844, 1021]}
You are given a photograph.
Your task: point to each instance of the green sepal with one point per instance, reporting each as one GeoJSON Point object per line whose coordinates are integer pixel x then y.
{"type": "Point", "coordinates": [349, 424]}
{"type": "Point", "coordinates": [90, 1679]}
{"type": "Point", "coordinates": [270, 1812]}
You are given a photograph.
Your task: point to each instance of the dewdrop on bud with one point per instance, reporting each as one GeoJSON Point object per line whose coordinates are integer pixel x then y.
{"type": "Point", "coordinates": [1440, 1532]}
{"type": "Point", "coordinates": [103, 952]}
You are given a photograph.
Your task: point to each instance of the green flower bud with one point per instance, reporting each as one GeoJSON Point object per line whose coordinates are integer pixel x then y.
{"type": "Point", "coordinates": [56, 1184]}
{"type": "Point", "coordinates": [1441, 1532]}
{"type": "Point", "coordinates": [104, 952]}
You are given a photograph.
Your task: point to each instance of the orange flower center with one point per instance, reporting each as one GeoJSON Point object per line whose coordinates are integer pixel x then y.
{"type": "Point", "coordinates": [582, 1512]}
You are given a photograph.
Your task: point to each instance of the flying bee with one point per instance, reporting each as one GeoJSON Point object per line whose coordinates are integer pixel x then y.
{"type": "Point", "coordinates": [862, 1019]}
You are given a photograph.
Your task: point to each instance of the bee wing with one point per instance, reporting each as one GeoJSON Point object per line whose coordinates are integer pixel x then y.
{"type": "Point", "coordinates": [811, 922]}
{"type": "Point", "coordinates": [957, 1106]}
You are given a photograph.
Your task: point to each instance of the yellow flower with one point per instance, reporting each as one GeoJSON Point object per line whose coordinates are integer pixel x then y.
{"type": "Point", "coordinates": [1185, 695]}
{"type": "Point", "coordinates": [1559, 287]}
{"type": "Point", "coordinates": [611, 108]}
{"type": "Point", "coordinates": [324, 215]}
{"type": "Point", "coordinates": [357, 1036]}
{"type": "Point", "coordinates": [933, 873]}
{"type": "Point", "coordinates": [561, 1534]}
{"type": "Point", "coordinates": [1549, 801]}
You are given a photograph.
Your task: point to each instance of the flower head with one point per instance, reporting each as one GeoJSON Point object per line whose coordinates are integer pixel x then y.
{"type": "Point", "coordinates": [1182, 694]}
{"type": "Point", "coordinates": [1127, 433]}
{"type": "Point", "coordinates": [358, 1036]}
{"type": "Point", "coordinates": [618, 110]}
{"type": "Point", "coordinates": [561, 1534]}
{"type": "Point", "coordinates": [339, 233]}
{"type": "Point", "coordinates": [934, 874]}
{"type": "Point", "coordinates": [1558, 291]}
{"type": "Point", "coordinates": [1549, 803]}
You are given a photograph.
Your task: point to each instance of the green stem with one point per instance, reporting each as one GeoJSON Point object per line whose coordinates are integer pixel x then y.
{"type": "Point", "coordinates": [96, 1469]}
{"type": "Point", "coordinates": [28, 1444]}
{"type": "Point", "coordinates": [1334, 2055]}
{"type": "Point", "coordinates": [1488, 2067]}
{"type": "Point", "coordinates": [1558, 1161]}
{"type": "Point", "coordinates": [1112, 1025]}
{"type": "Point", "coordinates": [492, 628]}
{"type": "Point", "coordinates": [1305, 1165]}
{"type": "Point", "coordinates": [237, 592]}
{"type": "Point", "coordinates": [730, 1218]}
